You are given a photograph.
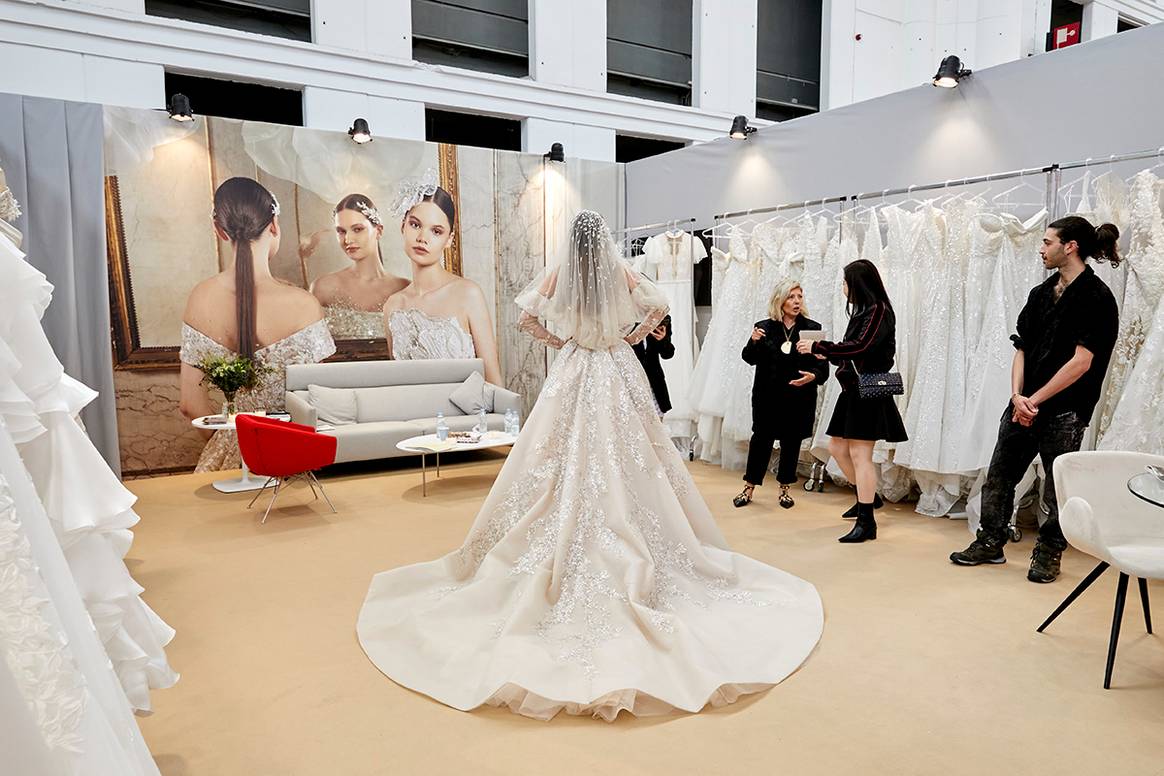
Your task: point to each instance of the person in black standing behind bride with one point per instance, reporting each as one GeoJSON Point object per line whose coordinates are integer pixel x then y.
{"type": "Point", "coordinates": [783, 392]}
{"type": "Point", "coordinates": [655, 346]}
{"type": "Point", "coordinates": [859, 423]}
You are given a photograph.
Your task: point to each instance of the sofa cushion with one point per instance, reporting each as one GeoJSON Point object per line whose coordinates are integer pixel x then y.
{"type": "Point", "coordinates": [473, 394]}
{"type": "Point", "coordinates": [369, 441]}
{"type": "Point", "coordinates": [404, 402]}
{"type": "Point", "coordinates": [333, 405]}
{"type": "Point", "coordinates": [494, 421]}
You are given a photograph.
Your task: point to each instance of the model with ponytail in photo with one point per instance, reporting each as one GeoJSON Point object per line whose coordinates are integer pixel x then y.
{"type": "Point", "coordinates": [245, 311]}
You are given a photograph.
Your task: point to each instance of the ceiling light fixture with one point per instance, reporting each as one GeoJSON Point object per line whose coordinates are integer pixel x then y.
{"type": "Point", "coordinates": [180, 108]}
{"type": "Point", "coordinates": [360, 131]}
{"type": "Point", "coordinates": [950, 72]}
{"type": "Point", "coordinates": [557, 153]}
{"type": "Point", "coordinates": [740, 128]}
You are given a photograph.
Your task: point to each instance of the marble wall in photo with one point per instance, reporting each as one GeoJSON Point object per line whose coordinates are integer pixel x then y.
{"type": "Point", "coordinates": [514, 211]}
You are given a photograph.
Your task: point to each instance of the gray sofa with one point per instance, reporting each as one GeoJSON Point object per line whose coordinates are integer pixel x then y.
{"type": "Point", "coordinates": [395, 400]}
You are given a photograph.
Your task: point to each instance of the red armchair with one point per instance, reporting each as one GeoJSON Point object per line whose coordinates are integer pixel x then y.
{"type": "Point", "coordinates": [283, 452]}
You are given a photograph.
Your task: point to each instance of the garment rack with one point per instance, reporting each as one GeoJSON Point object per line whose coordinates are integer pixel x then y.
{"type": "Point", "coordinates": [644, 227]}
{"type": "Point", "coordinates": [786, 206]}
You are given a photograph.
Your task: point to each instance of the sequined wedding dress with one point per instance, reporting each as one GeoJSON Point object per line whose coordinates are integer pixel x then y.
{"type": "Point", "coordinates": [1143, 292]}
{"type": "Point", "coordinates": [594, 578]}
{"type": "Point", "coordinates": [1137, 420]}
{"type": "Point", "coordinates": [310, 345]}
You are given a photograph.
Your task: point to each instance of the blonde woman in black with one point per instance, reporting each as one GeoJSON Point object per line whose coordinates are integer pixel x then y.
{"type": "Point", "coordinates": [783, 392]}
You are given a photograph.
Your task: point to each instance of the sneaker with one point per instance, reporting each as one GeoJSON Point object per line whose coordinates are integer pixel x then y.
{"type": "Point", "coordinates": [980, 551]}
{"type": "Point", "coordinates": [1044, 564]}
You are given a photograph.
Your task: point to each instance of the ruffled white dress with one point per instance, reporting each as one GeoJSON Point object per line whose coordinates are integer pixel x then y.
{"type": "Point", "coordinates": [78, 648]}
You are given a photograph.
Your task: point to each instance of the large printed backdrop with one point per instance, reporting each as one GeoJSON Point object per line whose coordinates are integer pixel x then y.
{"type": "Point", "coordinates": [513, 210]}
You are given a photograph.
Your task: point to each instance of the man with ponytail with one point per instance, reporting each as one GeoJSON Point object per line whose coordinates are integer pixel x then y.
{"type": "Point", "coordinates": [1066, 333]}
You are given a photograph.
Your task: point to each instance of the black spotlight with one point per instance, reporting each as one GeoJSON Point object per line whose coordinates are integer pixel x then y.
{"type": "Point", "coordinates": [360, 131]}
{"type": "Point", "coordinates": [180, 108]}
{"type": "Point", "coordinates": [740, 128]}
{"type": "Point", "coordinates": [557, 153]}
{"type": "Point", "coordinates": [950, 72]}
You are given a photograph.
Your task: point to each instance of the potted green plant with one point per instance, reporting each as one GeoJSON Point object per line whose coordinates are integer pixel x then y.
{"type": "Point", "coordinates": [231, 375]}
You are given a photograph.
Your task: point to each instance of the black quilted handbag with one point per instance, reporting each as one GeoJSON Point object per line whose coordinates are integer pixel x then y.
{"type": "Point", "coordinates": [873, 385]}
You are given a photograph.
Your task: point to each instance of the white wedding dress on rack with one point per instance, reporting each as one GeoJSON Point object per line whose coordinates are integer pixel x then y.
{"type": "Point", "coordinates": [1137, 420]}
{"type": "Point", "coordinates": [594, 579]}
{"type": "Point", "coordinates": [1144, 289]}
{"type": "Point", "coordinates": [67, 620]}
{"type": "Point", "coordinates": [672, 256]}
{"type": "Point", "coordinates": [719, 367]}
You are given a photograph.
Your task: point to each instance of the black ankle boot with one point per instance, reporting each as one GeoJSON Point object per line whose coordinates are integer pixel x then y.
{"type": "Point", "coordinates": [866, 528]}
{"type": "Point", "coordinates": [851, 512]}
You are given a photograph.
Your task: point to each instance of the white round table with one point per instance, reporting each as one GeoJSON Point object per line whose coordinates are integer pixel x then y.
{"type": "Point", "coordinates": [414, 445]}
{"type": "Point", "coordinates": [245, 482]}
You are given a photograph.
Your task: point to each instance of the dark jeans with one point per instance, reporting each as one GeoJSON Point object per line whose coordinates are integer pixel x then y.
{"type": "Point", "coordinates": [759, 453]}
{"type": "Point", "coordinates": [1017, 446]}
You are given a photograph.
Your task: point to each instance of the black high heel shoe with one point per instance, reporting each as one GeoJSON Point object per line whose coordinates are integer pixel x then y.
{"type": "Point", "coordinates": [851, 513]}
{"type": "Point", "coordinates": [786, 500]}
{"type": "Point", "coordinates": [745, 496]}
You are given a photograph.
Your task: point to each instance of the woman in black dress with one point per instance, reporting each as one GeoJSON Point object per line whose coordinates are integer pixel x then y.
{"type": "Point", "coordinates": [857, 424]}
{"type": "Point", "coordinates": [784, 391]}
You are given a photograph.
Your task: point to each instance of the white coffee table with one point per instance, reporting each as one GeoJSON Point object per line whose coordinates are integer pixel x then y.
{"type": "Point", "coordinates": [245, 482]}
{"type": "Point", "coordinates": [413, 445]}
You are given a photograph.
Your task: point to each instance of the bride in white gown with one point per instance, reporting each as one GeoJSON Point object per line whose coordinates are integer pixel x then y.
{"type": "Point", "coordinates": [594, 578]}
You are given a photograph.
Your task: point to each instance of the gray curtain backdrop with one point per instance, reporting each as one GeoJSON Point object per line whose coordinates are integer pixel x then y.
{"type": "Point", "coordinates": [51, 153]}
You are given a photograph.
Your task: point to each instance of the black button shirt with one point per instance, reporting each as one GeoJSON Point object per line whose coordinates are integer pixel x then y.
{"type": "Point", "coordinates": [1049, 330]}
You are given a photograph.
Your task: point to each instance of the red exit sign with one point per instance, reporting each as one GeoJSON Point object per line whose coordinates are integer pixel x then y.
{"type": "Point", "coordinates": [1067, 35]}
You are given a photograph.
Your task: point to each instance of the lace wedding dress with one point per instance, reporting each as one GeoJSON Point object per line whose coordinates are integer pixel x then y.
{"type": "Point", "coordinates": [310, 345]}
{"type": "Point", "coordinates": [594, 579]}
{"type": "Point", "coordinates": [1144, 289]}
{"type": "Point", "coordinates": [719, 367]}
{"type": "Point", "coordinates": [1137, 420]}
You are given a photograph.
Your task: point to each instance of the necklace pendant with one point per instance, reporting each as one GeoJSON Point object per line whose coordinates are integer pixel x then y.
{"type": "Point", "coordinates": [786, 348]}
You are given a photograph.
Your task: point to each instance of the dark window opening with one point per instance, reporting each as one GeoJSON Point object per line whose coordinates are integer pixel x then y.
{"type": "Point", "coordinates": [238, 100]}
{"type": "Point", "coordinates": [787, 58]}
{"type": "Point", "coordinates": [471, 129]}
{"type": "Point", "coordinates": [1124, 25]}
{"type": "Point", "coordinates": [648, 50]}
{"type": "Point", "coordinates": [279, 18]}
{"type": "Point", "coordinates": [489, 36]}
{"type": "Point", "coordinates": [628, 148]}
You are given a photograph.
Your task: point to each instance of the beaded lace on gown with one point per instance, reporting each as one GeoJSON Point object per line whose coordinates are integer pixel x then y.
{"type": "Point", "coordinates": [594, 578]}
{"type": "Point", "coordinates": [1142, 294]}
{"type": "Point", "coordinates": [417, 335]}
{"type": "Point", "coordinates": [1137, 420]}
{"type": "Point", "coordinates": [311, 344]}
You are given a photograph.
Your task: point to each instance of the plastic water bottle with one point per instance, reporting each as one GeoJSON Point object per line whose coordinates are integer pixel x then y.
{"type": "Point", "coordinates": [509, 421]}
{"type": "Point", "coordinates": [482, 421]}
{"type": "Point", "coordinates": [516, 423]}
{"type": "Point", "coordinates": [442, 428]}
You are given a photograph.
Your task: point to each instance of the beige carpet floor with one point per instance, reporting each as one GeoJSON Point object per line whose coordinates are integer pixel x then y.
{"type": "Point", "coordinates": [924, 668]}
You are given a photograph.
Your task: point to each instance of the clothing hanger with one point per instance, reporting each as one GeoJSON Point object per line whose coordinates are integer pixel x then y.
{"type": "Point", "coordinates": [1066, 191]}
{"type": "Point", "coordinates": [1005, 195]}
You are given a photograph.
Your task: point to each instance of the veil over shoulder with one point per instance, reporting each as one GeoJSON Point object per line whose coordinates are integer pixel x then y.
{"type": "Point", "coordinates": [591, 296]}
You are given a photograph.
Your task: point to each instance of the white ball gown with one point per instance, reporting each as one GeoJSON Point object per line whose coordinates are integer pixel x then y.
{"type": "Point", "coordinates": [594, 578]}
